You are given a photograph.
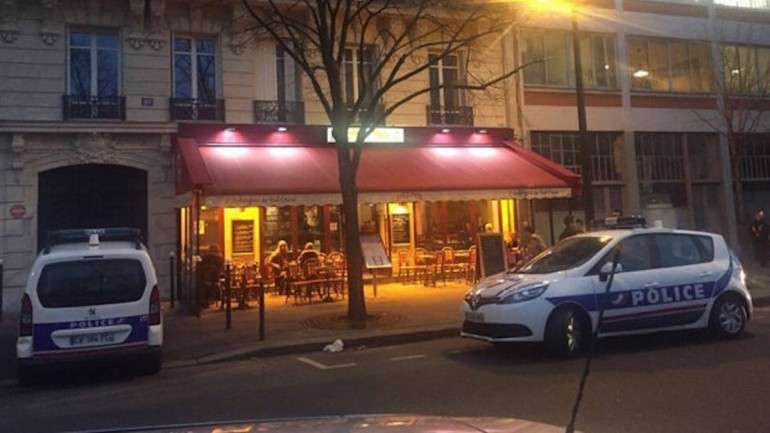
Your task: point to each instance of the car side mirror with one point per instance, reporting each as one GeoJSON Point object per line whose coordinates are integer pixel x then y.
{"type": "Point", "coordinates": [606, 270]}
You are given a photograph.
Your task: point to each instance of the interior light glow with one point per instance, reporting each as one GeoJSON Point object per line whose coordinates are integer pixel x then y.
{"type": "Point", "coordinates": [445, 152]}
{"type": "Point", "coordinates": [230, 129]}
{"type": "Point", "coordinates": [641, 73]}
{"type": "Point", "coordinates": [446, 131]}
{"type": "Point", "coordinates": [231, 151]}
{"type": "Point", "coordinates": [282, 129]}
{"type": "Point", "coordinates": [735, 71]}
{"type": "Point", "coordinates": [482, 131]}
{"type": "Point", "coordinates": [482, 152]}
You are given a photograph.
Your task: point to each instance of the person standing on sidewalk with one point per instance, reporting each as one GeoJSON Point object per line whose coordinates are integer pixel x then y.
{"type": "Point", "coordinates": [759, 237]}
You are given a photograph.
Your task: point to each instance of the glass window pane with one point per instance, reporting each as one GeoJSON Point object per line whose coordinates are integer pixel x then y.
{"type": "Point", "coordinates": [640, 258]}
{"type": "Point", "coordinates": [700, 67]}
{"type": "Point", "coordinates": [557, 61]}
{"type": "Point", "coordinates": [683, 250]}
{"type": "Point", "coordinates": [80, 72]}
{"type": "Point", "coordinates": [609, 61]}
{"type": "Point", "coordinates": [107, 83]}
{"type": "Point", "coordinates": [435, 98]}
{"type": "Point", "coordinates": [680, 67]}
{"type": "Point", "coordinates": [731, 67]}
{"type": "Point", "coordinates": [92, 282]}
{"type": "Point", "coordinates": [601, 65]}
{"type": "Point", "coordinates": [182, 44]}
{"type": "Point", "coordinates": [205, 46]}
{"type": "Point", "coordinates": [748, 70]}
{"type": "Point", "coordinates": [182, 76]}
{"type": "Point", "coordinates": [532, 51]}
{"type": "Point", "coordinates": [206, 78]}
{"type": "Point", "coordinates": [80, 39]}
{"type": "Point", "coordinates": [451, 96]}
{"type": "Point", "coordinates": [350, 92]}
{"type": "Point", "coordinates": [659, 66]}
{"type": "Point", "coordinates": [107, 41]}
{"type": "Point", "coordinates": [639, 64]}
{"type": "Point", "coordinates": [763, 73]}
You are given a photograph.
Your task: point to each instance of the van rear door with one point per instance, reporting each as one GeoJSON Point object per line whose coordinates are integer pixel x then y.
{"type": "Point", "coordinates": [91, 303]}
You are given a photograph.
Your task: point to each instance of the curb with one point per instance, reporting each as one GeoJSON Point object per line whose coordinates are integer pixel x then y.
{"type": "Point", "coordinates": [761, 301]}
{"type": "Point", "coordinates": [317, 346]}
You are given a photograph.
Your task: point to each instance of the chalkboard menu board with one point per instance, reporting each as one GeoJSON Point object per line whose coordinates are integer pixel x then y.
{"type": "Point", "coordinates": [243, 237]}
{"type": "Point", "coordinates": [492, 257]}
{"type": "Point", "coordinates": [399, 229]}
{"type": "Point", "coordinates": [375, 256]}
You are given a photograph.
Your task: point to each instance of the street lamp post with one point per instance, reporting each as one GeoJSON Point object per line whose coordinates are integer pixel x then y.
{"type": "Point", "coordinates": [582, 136]}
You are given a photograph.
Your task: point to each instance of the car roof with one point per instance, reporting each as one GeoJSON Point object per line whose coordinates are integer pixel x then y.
{"type": "Point", "coordinates": [621, 233]}
{"type": "Point", "coordinates": [79, 249]}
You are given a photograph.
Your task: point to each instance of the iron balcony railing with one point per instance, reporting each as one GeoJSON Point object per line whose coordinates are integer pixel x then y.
{"type": "Point", "coordinates": [292, 112]}
{"type": "Point", "coordinates": [93, 107]}
{"type": "Point", "coordinates": [449, 116]}
{"type": "Point", "coordinates": [197, 109]}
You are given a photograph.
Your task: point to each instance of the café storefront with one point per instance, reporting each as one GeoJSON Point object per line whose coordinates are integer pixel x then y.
{"type": "Point", "coordinates": [243, 189]}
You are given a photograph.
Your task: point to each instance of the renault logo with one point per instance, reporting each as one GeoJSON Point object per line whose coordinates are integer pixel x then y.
{"type": "Point", "coordinates": [475, 301]}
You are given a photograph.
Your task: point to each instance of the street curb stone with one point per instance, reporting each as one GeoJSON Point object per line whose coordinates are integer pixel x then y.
{"type": "Point", "coordinates": [317, 345]}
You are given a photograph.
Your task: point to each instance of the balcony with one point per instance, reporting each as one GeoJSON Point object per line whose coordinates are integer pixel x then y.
{"type": "Point", "coordinates": [449, 116]}
{"type": "Point", "coordinates": [197, 109]}
{"type": "Point", "coordinates": [292, 112]}
{"type": "Point", "coordinates": [93, 107]}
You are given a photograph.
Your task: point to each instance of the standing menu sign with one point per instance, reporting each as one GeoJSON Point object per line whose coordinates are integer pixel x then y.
{"type": "Point", "coordinates": [375, 256]}
{"type": "Point", "coordinates": [492, 257]}
{"type": "Point", "coordinates": [243, 237]}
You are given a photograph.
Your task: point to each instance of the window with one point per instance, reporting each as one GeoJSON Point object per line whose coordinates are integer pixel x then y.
{"type": "Point", "coordinates": [567, 254]}
{"type": "Point", "coordinates": [683, 250]}
{"type": "Point", "coordinates": [562, 148]}
{"type": "Point", "coordinates": [445, 71]}
{"type": "Point", "coordinates": [597, 54]}
{"type": "Point", "coordinates": [195, 68]}
{"type": "Point", "coordinates": [358, 74]}
{"type": "Point", "coordinates": [746, 69]}
{"type": "Point", "coordinates": [755, 157]}
{"type": "Point", "coordinates": [94, 64]}
{"type": "Point", "coordinates": [669, 65]}
{"type": "Point", "coordinates": [287, 77]}
{"type": "Point", "coordinates": [635, 254]}
{"type": "Point", "coordinates": [91, 282]}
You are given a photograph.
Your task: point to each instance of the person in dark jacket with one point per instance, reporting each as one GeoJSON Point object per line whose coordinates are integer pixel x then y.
{"type": "Point", "coordinates": [569, 227]}
{"type": "Point", "coordinates": [759, 237]}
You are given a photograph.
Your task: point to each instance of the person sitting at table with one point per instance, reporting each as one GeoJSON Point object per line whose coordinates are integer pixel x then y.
{"type": "Point", "coordinates": [209, 271]}
{"type": "Point", "coordinates": [308, 255]}
{"type": "Point", "coordinates": [279, 262]}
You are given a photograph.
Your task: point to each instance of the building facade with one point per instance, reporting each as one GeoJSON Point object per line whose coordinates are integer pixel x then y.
{"type": "Point", "coordinates": [661, 79]}
{"type": "Point", "coordinates": [92, 94]}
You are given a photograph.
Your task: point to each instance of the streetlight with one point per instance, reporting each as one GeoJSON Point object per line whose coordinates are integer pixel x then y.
{"type": "Point", "coordinates": [571, 7]}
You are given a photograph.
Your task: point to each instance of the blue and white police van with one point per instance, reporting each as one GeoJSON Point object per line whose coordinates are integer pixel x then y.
{"type": "Point", "coordinates": [664, 280]}
{"type": "Point", "coordinates": [91, 294]}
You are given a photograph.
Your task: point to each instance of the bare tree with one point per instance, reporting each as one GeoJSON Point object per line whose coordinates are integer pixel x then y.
{"type": "Point", "coordinates": [401, 41]}
{"type": "Point", "coordinates": [743, 88]}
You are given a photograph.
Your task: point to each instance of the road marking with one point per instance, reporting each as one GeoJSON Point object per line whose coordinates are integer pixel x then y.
{"type": "Point", "coordinates": [407, 357]}
{"type": "Point", "coordinates": [321, 366]}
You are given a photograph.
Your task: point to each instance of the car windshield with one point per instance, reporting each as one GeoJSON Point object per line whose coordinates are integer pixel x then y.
{"type": "Point", "coordinates": [91, 282]}
{"type": "Point", "coordinates": [567, 254]}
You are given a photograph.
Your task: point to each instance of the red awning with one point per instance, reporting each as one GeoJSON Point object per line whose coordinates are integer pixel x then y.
{"type": "Point", "coordinates": [251, 175]}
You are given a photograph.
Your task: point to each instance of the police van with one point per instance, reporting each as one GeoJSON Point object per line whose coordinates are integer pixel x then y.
{"type": "Point", "coordinates": [90, 294]}
{"type": "Point", "coordinates": [663, 280]}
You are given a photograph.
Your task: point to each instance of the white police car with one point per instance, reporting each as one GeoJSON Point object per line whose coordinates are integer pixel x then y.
{"type": "Point", "coordinates": [90, 294]}
{"type": "Point", "coordinates": [664, 280]}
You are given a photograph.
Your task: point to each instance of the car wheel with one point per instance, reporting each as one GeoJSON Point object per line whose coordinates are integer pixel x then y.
{"type": "Point", "coordinates": [567, 333]}
{"type": "Point", "coordinates": [152, 364]}
{"type": "Point", "coordinates": [728, 317]}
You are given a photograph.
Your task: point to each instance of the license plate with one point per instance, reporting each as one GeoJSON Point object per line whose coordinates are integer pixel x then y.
{"type": "Point", "coordinates": [92, 339]}
{"type": "Point", "coordinates": [474, 316]}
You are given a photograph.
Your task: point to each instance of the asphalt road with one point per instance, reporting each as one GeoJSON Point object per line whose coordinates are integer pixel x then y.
{"type": "Point", "coordinates": [680, 382]}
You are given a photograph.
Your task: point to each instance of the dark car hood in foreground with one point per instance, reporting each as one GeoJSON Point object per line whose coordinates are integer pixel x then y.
{"type": "Point", "coordinates": [360, 424]}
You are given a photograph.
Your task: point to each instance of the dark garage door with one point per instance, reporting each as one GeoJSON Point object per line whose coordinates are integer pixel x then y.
{"type": "Point", "coordinates": [91, 196]}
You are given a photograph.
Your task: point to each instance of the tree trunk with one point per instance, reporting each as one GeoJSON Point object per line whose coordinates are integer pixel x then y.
{"type": "Point", "coordinates": [355, 261]}
{"type": "Point", "coordinates": [737, 181]}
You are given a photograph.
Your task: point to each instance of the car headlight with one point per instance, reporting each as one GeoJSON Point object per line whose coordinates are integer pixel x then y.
{"type": "Point", "coordinates": [523, 294]}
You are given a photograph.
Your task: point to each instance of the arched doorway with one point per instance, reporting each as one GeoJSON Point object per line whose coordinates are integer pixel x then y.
{"type": "Point", "coordinates": [91, 196]}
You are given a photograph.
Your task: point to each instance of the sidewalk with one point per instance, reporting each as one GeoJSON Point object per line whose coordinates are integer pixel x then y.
{"type": "Point", "coordinates": [401, 313]}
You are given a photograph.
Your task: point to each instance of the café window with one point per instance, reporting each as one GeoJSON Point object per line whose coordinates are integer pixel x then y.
{"type": "Point", "coordinates": [277, 227]}
{"type": "Point", "coordinates": [669, 65]}
{"type": "Point", "coordinates": [358, 73]}
{"type": "Point", "coordinates": [551, 56]}
{"type": "Point", "coordinates": [195, 67]}
{"type": "Point", "coordinates": [746, 69]}
{"type": "Point", "coordinates": [311, 226]}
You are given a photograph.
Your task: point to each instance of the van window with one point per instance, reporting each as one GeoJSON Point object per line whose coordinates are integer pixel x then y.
{"type": "Point", "coordinates": [683, 250]}
{"type": "Point", "coordinates": [91, 282]}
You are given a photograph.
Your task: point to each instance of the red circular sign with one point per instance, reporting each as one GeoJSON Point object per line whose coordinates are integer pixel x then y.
{"type": "Point", "coordinates": [18, 211]}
